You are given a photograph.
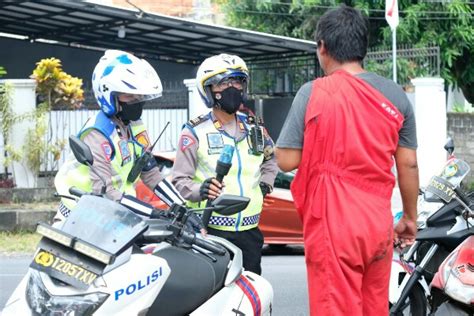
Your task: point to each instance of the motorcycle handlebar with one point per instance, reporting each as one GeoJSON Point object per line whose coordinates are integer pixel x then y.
{"type": "Point", "coordinates": [76, 191]}
{"type": "Point", "coordinates": [191, 239]}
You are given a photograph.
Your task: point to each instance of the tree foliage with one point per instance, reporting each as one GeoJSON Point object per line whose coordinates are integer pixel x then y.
{"type": "Point", "coordinates": [3, 72]}
{"type": "Point", "coordinates": [447, 24]}
{"type": "Point", "coordinates": [58, 87]}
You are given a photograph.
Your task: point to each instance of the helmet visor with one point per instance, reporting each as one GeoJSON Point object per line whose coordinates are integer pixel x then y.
{"type": "Point", "coordinates": [136, 98]}
{"type": "Point", "coordinates": [216, 79]}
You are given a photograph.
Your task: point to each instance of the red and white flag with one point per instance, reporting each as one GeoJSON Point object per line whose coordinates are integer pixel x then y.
{"type": "Point", "coordinates": [391, 13]}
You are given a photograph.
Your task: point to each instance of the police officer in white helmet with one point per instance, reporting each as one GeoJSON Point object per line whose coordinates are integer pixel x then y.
{"type": "Point", "coordinates": [117, 137]}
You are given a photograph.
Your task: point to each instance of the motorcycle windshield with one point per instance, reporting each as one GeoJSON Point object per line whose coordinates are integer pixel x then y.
{"type": "Point", "coordinates": [450, 177]}
{"type": "Point", "coordinates": [104, 224]}
{"type": "Point", "coordinates": [455, 171]}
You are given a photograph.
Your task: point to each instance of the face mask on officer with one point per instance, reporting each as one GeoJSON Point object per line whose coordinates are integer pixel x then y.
{"type": "Point", "coordinates": [130, 112]}
{"type": "Point", "coordinates": [229, 100]}
{"type": "Point", "coordinates": [230, 97]}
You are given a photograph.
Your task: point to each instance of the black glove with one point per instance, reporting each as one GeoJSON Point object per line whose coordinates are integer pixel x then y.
{"type": "Point", "coordinates": [204, 189]}
{"type": "Point", "coordinates": [194, 222]}
{"type": "Point", "coordinates": [266, 188]}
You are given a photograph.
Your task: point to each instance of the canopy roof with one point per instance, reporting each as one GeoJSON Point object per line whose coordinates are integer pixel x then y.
{"type": "Point", "coordinates": [94, 26]}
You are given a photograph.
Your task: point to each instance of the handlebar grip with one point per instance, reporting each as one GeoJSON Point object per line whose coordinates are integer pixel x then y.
{"type": "Point", "coordinates": [209, 246]}
{"type": "Point", "coordinates": [76, 191]}
{"type": "Point", "coordinates": [191, 239]}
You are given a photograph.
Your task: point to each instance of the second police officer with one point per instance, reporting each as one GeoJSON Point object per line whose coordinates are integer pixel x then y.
{"type": "Point", "coordinates": [222, 82]}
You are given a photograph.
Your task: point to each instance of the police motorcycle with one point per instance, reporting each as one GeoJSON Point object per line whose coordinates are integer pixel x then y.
{"type": "Point", "coordinates": [400, 267]}
{"type": "Point", "coordinates": [107, 260]}
{"type": "Point", "coordinates": [444, 230]}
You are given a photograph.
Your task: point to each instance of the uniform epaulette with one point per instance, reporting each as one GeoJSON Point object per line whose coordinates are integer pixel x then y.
{"type": "Point", "coordinates": [198, 120]}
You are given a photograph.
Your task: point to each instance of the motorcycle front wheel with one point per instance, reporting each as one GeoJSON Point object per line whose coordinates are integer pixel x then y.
{"type": "Point", "coordinates": [415, 305]}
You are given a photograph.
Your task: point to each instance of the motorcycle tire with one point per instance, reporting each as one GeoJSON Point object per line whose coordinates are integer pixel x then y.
{"type": "Point", "coordinates": [416, 303]}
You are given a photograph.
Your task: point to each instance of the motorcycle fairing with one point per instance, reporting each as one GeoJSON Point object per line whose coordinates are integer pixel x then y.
{"type": "Point", "coordinates": [251, 294]}
{"type": "Point", "coordinates": [235, 268]}
{"type": "Point", "coordinates": [396, 286]}
{"type": "Point", "coordinates": [232, 301]}
{"type": "Point", "coordinates": [464, 263]}
{"type": "Point", "coordinates": [439, 235]}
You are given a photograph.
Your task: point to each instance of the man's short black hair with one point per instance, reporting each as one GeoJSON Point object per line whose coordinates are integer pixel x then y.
{"type": "Point", "coordinates": [345, 32]}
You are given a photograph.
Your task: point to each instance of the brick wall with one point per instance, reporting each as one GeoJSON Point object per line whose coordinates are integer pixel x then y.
{"type": "Point", "coordinates": [461, 129]}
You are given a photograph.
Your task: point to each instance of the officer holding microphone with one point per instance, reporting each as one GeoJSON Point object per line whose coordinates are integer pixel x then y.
{"type": "Point", "coordinates": [227, 138]}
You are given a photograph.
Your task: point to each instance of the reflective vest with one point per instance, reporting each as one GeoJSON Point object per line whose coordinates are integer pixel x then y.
{"type": "Point", "coordinates": [243, 177]}
{"type": "Point", "coordinates": [123, 153]}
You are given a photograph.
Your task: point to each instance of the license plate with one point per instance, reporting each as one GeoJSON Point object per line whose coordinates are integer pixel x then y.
{"type": "Point", "coordinates": [441, 188]}
{"type": "Point", "coordinates": [65, 270]}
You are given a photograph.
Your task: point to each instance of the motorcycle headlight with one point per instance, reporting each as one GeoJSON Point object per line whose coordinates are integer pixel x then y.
{"type": "Point", "coordinates": [42, 302]}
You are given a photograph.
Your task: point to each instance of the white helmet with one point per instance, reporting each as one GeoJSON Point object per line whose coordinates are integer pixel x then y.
{"type": "Point", "coordinates": [121, 72]}
{"type": "Point", "coordinates": [217, 68]}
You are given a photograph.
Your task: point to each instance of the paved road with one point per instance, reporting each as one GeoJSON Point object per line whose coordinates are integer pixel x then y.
{"type": "Point", "coordinates": [284, 269]}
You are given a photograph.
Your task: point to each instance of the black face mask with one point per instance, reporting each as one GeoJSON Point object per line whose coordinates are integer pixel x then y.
{"type": "Point", "coordinates": [229, 100]}
{"type": "Point", "coordinates": [130, 112]}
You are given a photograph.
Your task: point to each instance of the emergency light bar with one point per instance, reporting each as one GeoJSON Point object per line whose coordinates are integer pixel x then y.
{"type": "Point", "coordinates": [54, 234]}
{"type": "Point", "coordinates": [93, 252]}
{"type": "Point", "coordinates": [74, 243]}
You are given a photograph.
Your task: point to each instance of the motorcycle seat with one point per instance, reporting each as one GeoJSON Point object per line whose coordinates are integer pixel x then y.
{"type": "Point", "coordinates": [194, 279]}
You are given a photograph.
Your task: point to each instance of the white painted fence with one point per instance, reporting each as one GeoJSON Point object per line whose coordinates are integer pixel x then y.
{"type": "Point", "coordinates": [65, 123]}
{"type": "Point", "coordinates": [428, 100]}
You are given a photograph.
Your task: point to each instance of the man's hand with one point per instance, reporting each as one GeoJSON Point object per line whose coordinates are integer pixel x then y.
{"type": "Point", "coordinates": [405, 233]}
{"type": "Point", "coordinates": [210, 189]}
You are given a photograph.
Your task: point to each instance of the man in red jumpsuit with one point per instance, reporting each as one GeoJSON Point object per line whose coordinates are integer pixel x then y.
{"type": "Point", "coordinates": [342, 133]}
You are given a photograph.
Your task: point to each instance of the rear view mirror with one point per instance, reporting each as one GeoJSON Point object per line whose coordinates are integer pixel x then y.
{"type": "Point", "coordinates": [81, 151]}
{"type": "Point", "coordinates": [83, 154]}
{"type": "Point", "coordinates": [228, 204]}
{"type": "Point", "coordinates": [449, 146]}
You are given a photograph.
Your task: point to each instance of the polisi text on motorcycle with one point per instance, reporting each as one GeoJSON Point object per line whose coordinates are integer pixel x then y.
{"type": "Point", "coordinates": [139, 285]}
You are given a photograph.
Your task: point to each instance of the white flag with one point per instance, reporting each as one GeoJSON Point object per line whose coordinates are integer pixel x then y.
{"type": "Point", "coordinates": [391, 13]}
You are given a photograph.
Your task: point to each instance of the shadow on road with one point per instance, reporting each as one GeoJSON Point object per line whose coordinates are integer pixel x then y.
{"type": "Point", "coordinates": [283, 250]}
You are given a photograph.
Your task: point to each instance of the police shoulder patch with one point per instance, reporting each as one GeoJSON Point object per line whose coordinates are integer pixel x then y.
{"type": "Point", "coordinates": [143, 139]}
{"type": "Point", "coordinates": [107, 149]}
{"type": "Point", "coordinates": [185, 142]}
{"type": "Point", "coordinates": [198, 120]}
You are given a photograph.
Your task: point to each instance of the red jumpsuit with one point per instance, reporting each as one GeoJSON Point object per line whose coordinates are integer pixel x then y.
{"type": "Point", "coordinates": [342, 191]}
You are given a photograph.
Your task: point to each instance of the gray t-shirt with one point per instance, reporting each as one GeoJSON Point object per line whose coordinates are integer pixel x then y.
{"type": "Point", "coordinates": [292, 133]}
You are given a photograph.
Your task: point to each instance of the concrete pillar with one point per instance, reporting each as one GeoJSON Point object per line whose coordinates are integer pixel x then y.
{"type": "Point", "coordinates": [430, 113]}
{"type": "Point", "coordinates": [196, 105]}
{"type": "Point", "coordinates": [23, 100]}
